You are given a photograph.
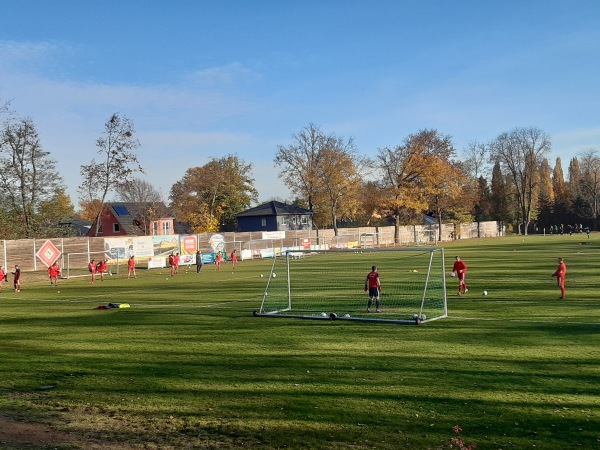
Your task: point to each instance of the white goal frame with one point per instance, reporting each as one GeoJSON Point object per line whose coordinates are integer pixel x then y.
{"type": "Point", "coordinates": [413, 285]}
{"type": "Point", "coordinates": [76, 264]}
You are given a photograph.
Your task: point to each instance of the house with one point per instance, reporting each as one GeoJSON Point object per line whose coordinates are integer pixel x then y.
{"type": "Point", "coordinates": [79, 227]}
{"type": "Point", "coordinates": [275, 216]}
{"type": "Point", "coordinates": [134, 219]}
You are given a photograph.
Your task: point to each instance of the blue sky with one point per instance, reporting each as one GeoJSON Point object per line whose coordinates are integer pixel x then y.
{"type": "Point", "coordinates": [204, 79]}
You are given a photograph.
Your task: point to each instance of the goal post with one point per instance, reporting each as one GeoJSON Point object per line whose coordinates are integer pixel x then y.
{"type": "Point", "coordinates": [329, 284]}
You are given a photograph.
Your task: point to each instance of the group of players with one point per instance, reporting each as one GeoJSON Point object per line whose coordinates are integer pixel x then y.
{"type": "Point", "coordinates": [16, 278]}
{"type": "Point", "coordinates": [459, 270]}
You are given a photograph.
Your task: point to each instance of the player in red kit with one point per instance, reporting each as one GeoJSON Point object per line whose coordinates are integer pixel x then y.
{"type": "Point", "coordinates": [92, 269]}
{"type": "Point", "coordinates": [17, 279]}
{"type": "Point", "coordinates": [373, 286]}
{"type": "Point", "coordinates": [218, 260]}
{"type": "Point", "coordinates": [131, 267]}
{"type": "Point", "coordinates": [560, 273]}
{"type": "Point", "coordinates": [460, 269]}
{"type": "Point", "coordinates": [101, 268]}
{"type": "Point", "coordinates": [54, 273]}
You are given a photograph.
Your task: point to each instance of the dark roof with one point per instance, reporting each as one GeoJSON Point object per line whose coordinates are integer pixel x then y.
{"type": "Point", "coordinates": [82, 226]}
{"type": "Point", "coordinates": [127, 212]}
{"type": "Point", "coordinates": [274, 208]}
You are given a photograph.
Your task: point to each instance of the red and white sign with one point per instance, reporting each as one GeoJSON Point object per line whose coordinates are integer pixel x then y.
{"type": "Point", "coordinates": [48, 253]}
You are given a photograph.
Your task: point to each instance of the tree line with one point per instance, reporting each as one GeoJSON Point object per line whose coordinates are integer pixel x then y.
{"type": "Point", "coordinates": [507, 179]}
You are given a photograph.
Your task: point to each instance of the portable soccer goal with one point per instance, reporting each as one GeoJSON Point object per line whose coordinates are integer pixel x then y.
{"type": "Point", "coordinates": [329, 284]}
{"type": "Point", "coordinates": [76, 264]}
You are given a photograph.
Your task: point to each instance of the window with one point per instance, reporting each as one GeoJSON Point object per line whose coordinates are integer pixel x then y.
{"type": "Point", "coordinates": [304, 220]}
{"type": "Point", "coordinates": [116, 228]}
{"type": "Point", "coordinates": [154, 228]}
{"type": "Point", "coordinates": [263, 222]}
{"type": "Point", "coordinates": [166, 227]}
{"type": "Point", "coordinates": [284, 220]}
{"type": "Point", "coordinates": [294, 220]}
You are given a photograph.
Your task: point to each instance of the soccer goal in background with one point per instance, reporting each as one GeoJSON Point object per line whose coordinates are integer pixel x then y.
{"type": "Point", "coordinates": [76, 264]}
{"type": "Point", "coordinates": [329, 284]}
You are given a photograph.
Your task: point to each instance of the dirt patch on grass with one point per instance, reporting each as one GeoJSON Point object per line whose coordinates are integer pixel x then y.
{"type": "Point", "coordinates": [16, 435]}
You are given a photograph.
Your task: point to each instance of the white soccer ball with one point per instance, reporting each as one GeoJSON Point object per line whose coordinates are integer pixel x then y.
{"type": "Point", "coordinates": [452, 274]}
{"type": "Point", "coordinates": [59, 292]}
{"type": "Point", "coordinates": [484, 292]}
{"type": "Point", "coordinates": [324, 314]}
{"type": "Point", "coordinates": [274, 275]}
{"type": "Point", "coordinates": [347, 315]}
{"type": "Point", "coordinates": [261, 275]}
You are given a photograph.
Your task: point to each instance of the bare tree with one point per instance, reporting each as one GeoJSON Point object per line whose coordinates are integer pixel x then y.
{"type": "Point", "coordinates": [476, 156]}
{"type": "Point", "coordinates": [520, 153]}
{"type": "Point", "coordinates": [119, 161]}
{"type": "Point", "coordinates": [28, 176]}
{"type": "Point", "coordinates": [146, 203]}
{"type": "Point", "coordinates": [590, 183]}
{"type": "Point", "coordinates": [299, 162]}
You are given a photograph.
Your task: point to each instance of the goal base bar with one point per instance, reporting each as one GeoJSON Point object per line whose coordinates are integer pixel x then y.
{"type": "Point", "coordinates": [336, 318]}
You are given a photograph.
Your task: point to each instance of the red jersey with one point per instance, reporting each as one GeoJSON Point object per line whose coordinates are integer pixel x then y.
{"type": "Point", "coordinates": [92, 267]}
{"type": "Point", "coordinates": [561, 271]}
{"type": "Point", "coordinates": [460, 267]}
{"type": "Point", "coordinates": [54, 271]}
{"type": "Point", "coordinates": [372, 280]}
{"type": "Point", "coordinates": [171, 260]}
{"type": "Point", "coordinates": [176, 260]}
{"type": "Point", "coordinates": [131, 264]}
{"type": "Point", "coordinates": [101, 266]}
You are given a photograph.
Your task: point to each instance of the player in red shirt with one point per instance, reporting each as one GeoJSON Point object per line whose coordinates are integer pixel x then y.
{"type": "Point", "coordinates": [460, 269]}
{"type": "Point", "coordinates": [101, 268]}
{"type": "Point", "coordinates": [172, 263]}
{"type": "Point", "coordinates": [176, 263]}
{"type": "Point", "coordinates": [131, 267]}
{"type": "Point", "coordinates": [92, 269]}
{"type": "Point", "coordinates": [3, 277]}
{"type": "Point", "coordinates": [17, 279]}
{"type": "Point", "coordinates": [560, 274]}
{"type": "Point", "coordinates": [53, 273]}
{"type": "Point", "coordinates": [373, 286]}
{"type": "Point", "coordinates": [233, 258]}
{"type": "Point", "coordinates": [218, 260]}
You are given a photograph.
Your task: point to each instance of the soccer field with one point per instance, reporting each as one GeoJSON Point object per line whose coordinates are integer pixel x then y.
{"type": "Point", "coordinates": [187, 366]}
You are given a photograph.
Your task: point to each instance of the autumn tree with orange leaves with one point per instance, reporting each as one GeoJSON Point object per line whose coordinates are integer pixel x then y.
{"type": "Point", "coordinates": [408, 170]}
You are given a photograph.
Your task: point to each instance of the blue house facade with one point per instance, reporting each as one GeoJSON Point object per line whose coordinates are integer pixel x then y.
{"type": "Point", "coordinates": [275, 216]}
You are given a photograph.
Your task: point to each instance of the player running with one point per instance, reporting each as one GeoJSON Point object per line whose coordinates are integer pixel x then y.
{"type": "Point", "coordinates": [131, 267]}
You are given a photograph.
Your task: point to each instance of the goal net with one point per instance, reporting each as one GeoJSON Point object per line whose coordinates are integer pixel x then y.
{"type": "Point", "coordinates": [76, 264]}
{"type": "Point", "coordinates": [329, 284]}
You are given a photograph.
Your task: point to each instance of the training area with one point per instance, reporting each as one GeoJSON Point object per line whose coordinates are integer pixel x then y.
{"type": "Point", "coordinates": [193, 364]}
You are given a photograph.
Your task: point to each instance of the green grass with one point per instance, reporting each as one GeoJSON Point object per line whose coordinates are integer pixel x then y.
{"type": "Point", "coordinates": [187, 366]}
